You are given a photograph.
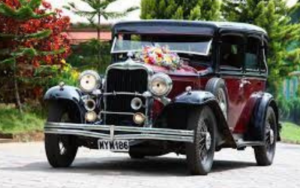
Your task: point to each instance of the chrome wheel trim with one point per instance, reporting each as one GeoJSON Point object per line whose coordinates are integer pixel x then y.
{"type": "Point", "coordinates": [62, 148]}
{"type": "Point", "coordinates": [205, 141]}
{"type": "Point", "coordinates": [270, 141]}
{"type": "Point", "coordinates": [221, 97]}
{"type": "Point", "coordinates": [208, 141]}
{"type": "Point", "coordinates": [61, 143]}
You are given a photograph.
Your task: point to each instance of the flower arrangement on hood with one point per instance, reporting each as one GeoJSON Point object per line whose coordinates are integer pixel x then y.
{"type": "Point", "coordinates": [160, 56]}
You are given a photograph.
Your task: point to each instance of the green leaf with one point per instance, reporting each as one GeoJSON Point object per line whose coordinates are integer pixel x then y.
{"type": "Point", "coordinates": [6, 10]}
{"type": "Point", "coordinates": [8, 61]}
{"type": "Point", "coordinates": [23, 2]}
{"type": "Point", "coordinates": [31, 52]}
{"type": "Point", "coordinates": [23, 13]}
{"type": "Point", "coordinates": [56, 52]}
{"type": "Point", "coordinates": [39, 35]}
{"type": "Point", "coordinates": [34, 4]}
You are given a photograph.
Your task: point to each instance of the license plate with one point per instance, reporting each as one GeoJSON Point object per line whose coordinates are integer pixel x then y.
{"type": "Point", "coordinates": [116, 145]}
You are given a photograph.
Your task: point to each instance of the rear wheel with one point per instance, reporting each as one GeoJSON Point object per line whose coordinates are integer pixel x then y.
{"type": "Point", "coordinates": [200, 154]}
{"type": "Point", "coordinates": [60, 149]}
{"type": "Point", "coordinates": [264, 155]}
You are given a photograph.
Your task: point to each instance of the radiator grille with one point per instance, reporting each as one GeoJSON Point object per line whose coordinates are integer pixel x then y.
{"type": "Point", "coordinates": [124, 81]}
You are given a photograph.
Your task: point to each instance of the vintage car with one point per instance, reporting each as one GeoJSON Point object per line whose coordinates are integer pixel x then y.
{"type": "Point", "coordinates": [188, 87]}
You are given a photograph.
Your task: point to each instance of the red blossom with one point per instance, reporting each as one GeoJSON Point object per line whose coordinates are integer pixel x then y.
{"type": "Point", "coordinates": [46, 5]}
{"type": "Point", "coordinates": [57, 23]}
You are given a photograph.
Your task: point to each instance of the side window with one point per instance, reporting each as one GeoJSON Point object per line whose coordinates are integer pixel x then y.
{"type": "Point", "coordinates": [231, 53]}
{"type": "Point", "coordinates": [253, 54]}
{"type": "Point", "coordinates": [264, 51]}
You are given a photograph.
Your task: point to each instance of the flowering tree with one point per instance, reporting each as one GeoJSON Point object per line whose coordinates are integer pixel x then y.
{"type": "Point", "coordinates": [31, 44]}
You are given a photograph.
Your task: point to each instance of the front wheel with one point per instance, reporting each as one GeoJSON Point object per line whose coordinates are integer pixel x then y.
{"type": "Point", "coordinates": [200, 154]}
{"type": "Point", "coordinates": [61, 150]}
{"type": "Point", "coordinates": [264, 155]}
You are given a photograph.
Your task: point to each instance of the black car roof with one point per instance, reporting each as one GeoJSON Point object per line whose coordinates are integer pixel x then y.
{"type": "Point", "coordinates": [214, 26]}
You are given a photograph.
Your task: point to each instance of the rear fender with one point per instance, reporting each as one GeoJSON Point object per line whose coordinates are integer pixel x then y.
{"type": "Point", "coordinates": [175, 115]}
{"type": "Point", "coordinates": [257, 123]}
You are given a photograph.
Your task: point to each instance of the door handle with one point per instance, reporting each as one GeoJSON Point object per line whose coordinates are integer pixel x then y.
{"type": "Point", "coordinates": [244, 82]}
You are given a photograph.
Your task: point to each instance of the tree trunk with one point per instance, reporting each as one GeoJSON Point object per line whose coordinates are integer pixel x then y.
{"type": "Point", "coordinates": [16, 88]}
{"type": "Point", "coordinates": [99, 40]}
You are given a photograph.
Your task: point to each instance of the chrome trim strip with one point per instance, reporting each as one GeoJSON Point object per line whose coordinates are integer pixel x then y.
{"type": "Point", "coordinates": [130, 65]}
{"type": "Point", "coordinates": [136, 133]}
{"type": "Point", "coordinates": [120, 137]}
{"type": "Point", "coordinates": [120, 128]}
{"type": "Point", "coordinates": [117, 113]}
{"type": "Point", "coordinates": [123, 93]}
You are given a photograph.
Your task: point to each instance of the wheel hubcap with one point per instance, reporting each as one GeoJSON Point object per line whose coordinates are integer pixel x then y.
{"type": "Point", "coordinates": [222, 102]}
{"type": "Point", "coordinates": [272, 136]}
{"type": "Point", "coordinates": [207, 141]}
{"type": "Point", "coordinates": [62, 148]}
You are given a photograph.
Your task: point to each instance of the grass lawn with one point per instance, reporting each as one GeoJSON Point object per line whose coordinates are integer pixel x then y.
{"type": "Point", "coordinates": [290, 132]}
{"type": "Point", "coordinates": [11, 121]}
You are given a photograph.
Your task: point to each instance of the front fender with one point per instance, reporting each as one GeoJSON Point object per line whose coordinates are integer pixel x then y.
{"type": "Point", "coordinates": [63, 93]}
{"type": "Point", "coordinates": [175, 114]}
{"type": "Point", "coordinates": [194, 98]}
{"type": "Point", "coordinates": [66, 96]}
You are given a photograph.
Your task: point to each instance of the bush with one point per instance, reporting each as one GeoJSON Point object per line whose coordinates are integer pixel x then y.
{"type": "Point", "coordinates": [86, 56]}
{"type": "Point", "coordinates": [289, 109]}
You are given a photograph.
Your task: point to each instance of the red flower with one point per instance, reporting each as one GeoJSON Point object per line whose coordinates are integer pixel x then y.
{"type": "Point", "coordinates": [46, 5]}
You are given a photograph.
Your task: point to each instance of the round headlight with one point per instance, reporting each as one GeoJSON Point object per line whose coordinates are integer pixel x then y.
{"type": "Point", "coordinates": [160, 84]}
{"type": "Point", "coordinates": [89, 81]}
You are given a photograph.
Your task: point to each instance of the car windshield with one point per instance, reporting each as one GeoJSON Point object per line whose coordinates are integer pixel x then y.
{"type": "Point", "coordinates": [197, 45]}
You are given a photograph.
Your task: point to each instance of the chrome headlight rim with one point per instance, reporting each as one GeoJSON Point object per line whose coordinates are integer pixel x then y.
{"type": "Point", "coordinates": [165, 80]}
{"type": "Point", "coordinates": [98, 81]}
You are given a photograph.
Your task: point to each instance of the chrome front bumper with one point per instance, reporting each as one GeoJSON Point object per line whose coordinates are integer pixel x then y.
{"type": "Point", "coordinates": [111, 132]}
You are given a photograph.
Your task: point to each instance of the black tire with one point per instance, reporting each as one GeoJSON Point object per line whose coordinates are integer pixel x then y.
{"type": "Point", "coordinates": [218, 88]}
{"type": "Point", "coordinates": [264, 155]}
{"type": "Point", "coordinates": [136, 155]}
{"type": "Point", "coordinates": [200, 156]}
{"type": "Point", "coordinates": [61, 150]}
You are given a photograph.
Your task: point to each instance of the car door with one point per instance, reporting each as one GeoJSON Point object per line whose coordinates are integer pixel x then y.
{"type": "Point", "coordinates": [255, 71]}
{"type": "Point", "coordinates": [254, 78]}
{"type": "Point", "coordinates": [231, 58]}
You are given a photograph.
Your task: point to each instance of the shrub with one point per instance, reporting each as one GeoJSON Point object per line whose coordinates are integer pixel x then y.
{"type": "Point", "coordinates": [289, 109]}
{"type": "Point", "coordinates": [85, 56]}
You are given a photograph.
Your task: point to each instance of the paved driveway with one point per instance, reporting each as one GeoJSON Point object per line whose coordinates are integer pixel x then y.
{"type": "Point", "coordinates": [25, 165]}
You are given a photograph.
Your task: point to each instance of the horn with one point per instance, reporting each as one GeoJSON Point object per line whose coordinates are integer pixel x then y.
{"type": "Point", "coordinates": [90, 104]}
{"type": "Point", "coordinates": [136, 103]}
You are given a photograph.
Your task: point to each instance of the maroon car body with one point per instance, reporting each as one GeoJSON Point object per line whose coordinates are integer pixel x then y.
{"type": "Point", "coordinates": [215, 100]}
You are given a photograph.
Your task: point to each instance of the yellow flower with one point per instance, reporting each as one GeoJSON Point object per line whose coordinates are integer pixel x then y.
{"type": "Point", "coordinates": [63, 61]}
{"type": "Point", "coordinates": [75, 74]}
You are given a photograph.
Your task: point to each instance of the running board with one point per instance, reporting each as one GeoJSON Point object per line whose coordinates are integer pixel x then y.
{"type": "Point", "coordinates": [243, 144]}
